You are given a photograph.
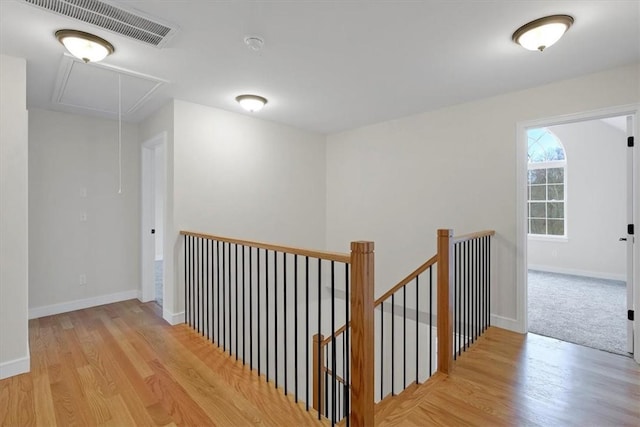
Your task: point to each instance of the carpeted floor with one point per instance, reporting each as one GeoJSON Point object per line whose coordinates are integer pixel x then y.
{"type": "Point", "coordinates": [158, 281]}
{"type": "Point", "coordinates": [581, 310]}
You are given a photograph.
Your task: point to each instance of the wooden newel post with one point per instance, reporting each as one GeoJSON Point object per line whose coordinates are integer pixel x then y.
{"type": "Point", "coordinates": [362, 334]}
{"type": "Point", "coordinates": [318, 373]}
{"type": "Point", "coordinates": [445, 301]}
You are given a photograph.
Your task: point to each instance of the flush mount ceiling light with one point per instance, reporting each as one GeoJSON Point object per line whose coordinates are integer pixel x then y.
{"type": "Point", "coordinates": [88, 47]}
{"type": "Point", "coordinates": [543, 32]}
{"type": "Point", "coordinates": [251, 103]}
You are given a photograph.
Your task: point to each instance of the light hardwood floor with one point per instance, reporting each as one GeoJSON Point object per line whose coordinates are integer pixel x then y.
{"type": "Point", "coordinates": [122, 365]}
{"type": "Point", "coordinates": [508, 379]}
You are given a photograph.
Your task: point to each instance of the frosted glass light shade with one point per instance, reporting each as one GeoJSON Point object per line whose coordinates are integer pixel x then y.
{"type": "Point", "coordinates": [85, 46]}
{"type": "Point", "coordinates": [251, 103]}
{"type": "Point", "coordinates": [543, 32]}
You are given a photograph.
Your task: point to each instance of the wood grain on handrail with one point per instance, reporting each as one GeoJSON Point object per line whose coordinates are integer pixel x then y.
{"type": "Point", "coordinates": [418, 271]}
{"type": "Point", "coordinates": [471, 236]}
{"type": "Point", "coordinates": [330, 256]}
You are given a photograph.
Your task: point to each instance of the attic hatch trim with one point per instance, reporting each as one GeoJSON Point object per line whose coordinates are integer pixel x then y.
{"type": "Point", "coordinates": [130, 23]}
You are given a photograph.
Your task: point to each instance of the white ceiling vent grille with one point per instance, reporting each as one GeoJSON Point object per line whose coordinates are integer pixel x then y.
{"type": "Point", "coordinates": [112, 18]}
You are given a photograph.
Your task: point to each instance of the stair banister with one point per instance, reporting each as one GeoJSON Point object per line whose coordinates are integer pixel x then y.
{"type": "Point", "coordinates": [445, 301]}
{"type": "Point", "coordinates": [362, 334]}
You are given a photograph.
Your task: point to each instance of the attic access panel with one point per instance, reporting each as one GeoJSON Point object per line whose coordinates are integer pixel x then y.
{"type": "Point", "coordinates": [94, 87]}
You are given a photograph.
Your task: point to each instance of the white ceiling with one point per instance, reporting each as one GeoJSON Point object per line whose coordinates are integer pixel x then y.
{"type": "Point", "coordinates": [329, 65]}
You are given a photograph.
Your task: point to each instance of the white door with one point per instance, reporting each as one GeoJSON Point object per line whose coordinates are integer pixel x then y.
{"type": "Point", "coordinates": [153, 221]}
{"type": "Point", "coordinates": [629, 238]}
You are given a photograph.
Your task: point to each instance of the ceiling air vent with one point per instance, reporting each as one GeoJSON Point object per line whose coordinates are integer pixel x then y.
{"type": "Point", "coordinates": [113, 18]}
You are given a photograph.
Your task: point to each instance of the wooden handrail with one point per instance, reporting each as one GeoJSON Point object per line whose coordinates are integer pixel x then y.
{"type": "Point", "coordinates": [330, 256]}
{"type": "Point", "coordinates": [471, 236]}
{"type": "Point", "coordinates": [418, 271]}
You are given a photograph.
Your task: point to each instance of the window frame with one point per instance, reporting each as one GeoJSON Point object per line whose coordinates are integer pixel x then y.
{"type": "Point", "coordinates": [551, 164]}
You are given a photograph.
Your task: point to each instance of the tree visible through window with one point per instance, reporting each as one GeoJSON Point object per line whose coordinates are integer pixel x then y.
{"type": "Point", "coordinates": [546, 189]}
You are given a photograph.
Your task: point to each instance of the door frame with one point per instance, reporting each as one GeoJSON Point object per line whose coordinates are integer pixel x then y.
{"type": "Point", "coordinates": [521, 205]}
{"type": "Point", "coordinates": [147, 240]}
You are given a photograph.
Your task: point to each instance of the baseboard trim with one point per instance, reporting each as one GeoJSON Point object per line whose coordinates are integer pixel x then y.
{"type": "Point", "coordinates": [15, 367]}
{"type": "Point", "coordinates": [49, 310]}
{"type": "Point", "coordinates": [506, 323]}
{"type": "Point", "coordinates": [576, 272]}
{"type": "Point", "coordinates": [173, 318]}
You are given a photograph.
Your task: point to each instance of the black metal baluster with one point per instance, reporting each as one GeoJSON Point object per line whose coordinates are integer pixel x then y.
{"type": "Point", "coordinates": [466, 297]}
{"type": "Point", "coordinates": [258, 320]}
{"type": "Point", "coordinates": [206, 288]}
{"type": "Point", "coordinates": [201, 303]}
{"type": "Point", "coordinates": [187, 261]}
{"type": "Point", "coordinates": [284, 304]}
{"type": "Point", "coordinates": [320, 328]}
{"type": "Point", "coordinates": [186, 276]}
{"type": "Point", "coordinates": [307, 331]}
{"type": "Point", "coordinates": [275, 313]}
{"type": "Point", "coordinates": [418, 328]}
{"type": "Point", "coordinates": [487, 285]}
{"type": "Point", "coordinates": [382, 350]}
{"type": "Point", "coordinates": [404, 336]}
{"type": "Point", "coordinates": [295, 326]}
{"type": "Point", "coordinates": [198, 281]}
{"type": "Point", "coordinates": [347, 349]}
{"type": "Point", "coordinates": [218, 291]}
{"type": "Point", "coordinates": [236, 295]}
{"type": "Point", "coordinates": [229, 327]}
{"type": "Point", "coordinates": [430, 320]}
{"type": "Point", "coordinates": [456, 286]}
{"type": "Point", "coordinates": [333, 342]}
{"type": "Point", "coordinates": [244, 306]}
{"type": "Point", "coordinates": [250, 308]}
{"type": "Point", "coordinates": [192, 284]}
{"type": "Point", "coordinates": [393, 342]}
{"type": "Point", "coordinates": [489, 280]}
{"type": "Point", "coordinates": [477, 287]}
{"type": "Point", "coordinates": [266, 307]}
{"type": "Point", "coordinates": [224, 296]}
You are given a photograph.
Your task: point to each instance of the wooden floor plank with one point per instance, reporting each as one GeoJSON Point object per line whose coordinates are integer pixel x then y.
{"type": "Point", "coordinates": [508, 379]}
{"type": "Point", "coordinates": [122, 365]}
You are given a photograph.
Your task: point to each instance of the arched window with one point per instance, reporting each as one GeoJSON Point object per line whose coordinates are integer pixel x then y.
{"type": "Point", "coordinates": [546, 189]}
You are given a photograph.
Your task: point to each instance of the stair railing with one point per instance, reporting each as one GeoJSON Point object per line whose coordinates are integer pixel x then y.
{"type": "Point", "coordinates": [273, 306]}
{"type": "Point", "coordinates": [261, 303]}
{"type": "Point", "coordinates": [462, 267]}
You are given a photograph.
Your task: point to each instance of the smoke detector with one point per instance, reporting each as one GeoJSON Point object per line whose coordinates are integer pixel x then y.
{"type": "Point", "coordinates": [254, 43]}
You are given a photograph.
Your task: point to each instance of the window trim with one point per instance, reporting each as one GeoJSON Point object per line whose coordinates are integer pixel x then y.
{"type": "Point", "coordinates": [549, 165]}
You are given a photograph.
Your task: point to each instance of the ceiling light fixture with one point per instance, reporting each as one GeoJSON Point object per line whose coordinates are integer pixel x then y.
{"type": "Point", "coordinates": [85, 46]}
{"type": "Point", "coordinates": [251, 103]}
{"type": "Point", "coordinates": [543, 32]}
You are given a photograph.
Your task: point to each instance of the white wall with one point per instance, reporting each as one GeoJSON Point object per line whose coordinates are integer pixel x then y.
{"type": "Point", "coordinates": [397, 182]}
{"type": "Point", "coordinates": [596, 204]}
{"type": "Point", "coordinates": [14, 262]}
{"type": "Point", "coordinates": [243, 177]}
{"type": "Point", "coordinates": [73, 170]}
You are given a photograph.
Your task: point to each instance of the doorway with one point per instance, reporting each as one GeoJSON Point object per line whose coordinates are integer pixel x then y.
{"type": "Point", "coordinates": [153, 219]}
{"type": "Point", "coordinates": [575, 270]}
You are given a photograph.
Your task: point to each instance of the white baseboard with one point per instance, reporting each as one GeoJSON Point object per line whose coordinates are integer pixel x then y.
{"type": "Point", "coordinates": [15, 367]}
{"type": "Point", "coordinates": [506, 323]}
{"type": "Point", "coordinates": [173, 318]}
{"type": "Point", "coordinates": [49, 310]}
{"type": "Point", "coordinates": [576, 272]}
